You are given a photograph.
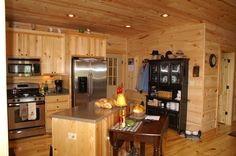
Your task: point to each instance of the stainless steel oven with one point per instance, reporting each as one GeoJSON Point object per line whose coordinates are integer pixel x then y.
{"type": "Point", "coordinates": [23, 67]}
{"type": "Point", "coordinates": [19, 98]}
{"type": "Point", "coordinates": [22, 128]}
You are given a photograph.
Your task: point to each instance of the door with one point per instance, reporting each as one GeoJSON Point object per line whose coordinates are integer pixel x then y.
{"type": "Point", "coordinates": [80, 81]}
{"type": "Point", "coordinates": [114, 74]}
{"type": "Point", "coordinates": [98, 79]}
{"type": "Point", "coordinates": [226, 88]}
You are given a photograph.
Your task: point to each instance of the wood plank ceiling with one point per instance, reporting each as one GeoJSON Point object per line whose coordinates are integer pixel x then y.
{"type": "Point", "coordinates": [111, 16]}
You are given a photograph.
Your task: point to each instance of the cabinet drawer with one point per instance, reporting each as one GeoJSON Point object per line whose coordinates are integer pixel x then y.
{"type": "Point", "coordinates": [56, 106]}
{"type": "Point", "coordinates": [62, 98]}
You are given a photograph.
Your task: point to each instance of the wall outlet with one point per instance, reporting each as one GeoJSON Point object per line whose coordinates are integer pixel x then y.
{"type": "Point", "coordinates": [72, 136]}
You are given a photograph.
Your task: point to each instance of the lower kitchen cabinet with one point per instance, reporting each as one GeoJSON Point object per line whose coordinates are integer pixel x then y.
{"type": "Point", "coordinates": [54, 104]}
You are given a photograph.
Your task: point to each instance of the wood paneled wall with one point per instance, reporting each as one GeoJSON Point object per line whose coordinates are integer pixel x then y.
{"type": "Point", "coordinates": [189, 39]}
{"type": "Point", "coordinates": [197, 42]}
{"type": "Point", "coordinates": [211, 85]}
{"type": "Point", "coordinates": [223, 41]}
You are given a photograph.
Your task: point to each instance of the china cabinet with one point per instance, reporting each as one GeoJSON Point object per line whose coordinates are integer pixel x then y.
{"type": "Point", "coordinates": [168, 89]}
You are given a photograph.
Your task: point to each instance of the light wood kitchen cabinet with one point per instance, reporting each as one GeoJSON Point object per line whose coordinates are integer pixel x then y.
{"type": "Point", "coordinates": [48, 46]}
{"type": "Point", "coordinates": [54, 104]}
{"type": "Point", "coordinates": [86, 45]}
{"type": "Point", "coordinates": [21, 44]}
{"type": "Point", "coordinates": [53, 55]}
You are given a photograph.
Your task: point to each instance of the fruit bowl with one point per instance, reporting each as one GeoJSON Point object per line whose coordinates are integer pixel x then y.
{"type": "Point", "coordinates": [138, 112]}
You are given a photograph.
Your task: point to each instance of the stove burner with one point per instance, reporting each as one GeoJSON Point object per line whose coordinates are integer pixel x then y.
{"type": "Point", "coordinates": [19, 93]}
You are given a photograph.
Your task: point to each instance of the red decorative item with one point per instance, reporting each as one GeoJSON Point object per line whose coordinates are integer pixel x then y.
{"type": "Point", "coordinates": [119, 89]}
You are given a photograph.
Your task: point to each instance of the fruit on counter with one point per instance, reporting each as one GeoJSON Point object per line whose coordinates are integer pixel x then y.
{"type": "Point", "coordinates": [130, 122]}
{"type": "Point", "coordinates": [138, 109]}
{"type": "Point", "coordinates": [105, 103]}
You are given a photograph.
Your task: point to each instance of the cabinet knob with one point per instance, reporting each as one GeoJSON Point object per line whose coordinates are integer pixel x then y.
{"type": "Point", "coordinates": [57, 106]}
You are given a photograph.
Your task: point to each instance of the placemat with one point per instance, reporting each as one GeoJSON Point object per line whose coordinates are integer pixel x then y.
{"type": "Point", "coordinates": [129, 129]}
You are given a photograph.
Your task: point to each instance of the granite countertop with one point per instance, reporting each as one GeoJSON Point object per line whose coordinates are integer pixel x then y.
{"type": "Point", "coordinates": [87, 112]}
{"type": "Point", "coordinates": [52, 92]}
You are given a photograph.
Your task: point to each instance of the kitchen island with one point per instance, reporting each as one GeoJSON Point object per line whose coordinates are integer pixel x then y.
{"type": "Point", "coordinates": [83, 130]}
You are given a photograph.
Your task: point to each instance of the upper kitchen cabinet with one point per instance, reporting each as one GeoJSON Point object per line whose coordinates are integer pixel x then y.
{"type": "Point", "coordinates": [53, 55]}
{"type": "Point", "coordinates": [48, 46]}
{"type": "Point", "coordinates": [86, 45]}
{"type": "Point", "coordinates": [22, 44]}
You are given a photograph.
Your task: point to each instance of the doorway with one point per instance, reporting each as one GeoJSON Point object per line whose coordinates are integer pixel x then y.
{"type": "Point", "coordinates": [225, 105]}
{"type": "Point", "coordinates": [114, 73]}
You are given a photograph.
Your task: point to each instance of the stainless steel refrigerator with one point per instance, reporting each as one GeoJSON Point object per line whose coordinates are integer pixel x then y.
{"type": "Point", "coordinates": [89, 80]}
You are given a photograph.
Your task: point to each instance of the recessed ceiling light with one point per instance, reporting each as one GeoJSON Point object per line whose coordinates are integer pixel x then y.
{"type": "Point", "coordinates": [128, 26]}
{"type": "Point", "coordinates": [71, 15]}
{"type": "Point", "coordinates": [164, 15]}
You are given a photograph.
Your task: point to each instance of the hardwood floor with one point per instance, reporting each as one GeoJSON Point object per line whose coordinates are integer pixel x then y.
{"type": "Point", "coordinates": [32, 146]}
{"type": "Point", "coordinates": [213, 143]}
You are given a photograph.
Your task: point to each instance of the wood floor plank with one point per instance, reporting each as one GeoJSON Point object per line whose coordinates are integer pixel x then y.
{"type": "Point", "coordinates": [216, 142]}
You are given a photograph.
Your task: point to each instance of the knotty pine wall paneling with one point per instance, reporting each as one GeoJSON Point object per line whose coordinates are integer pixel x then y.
{"type": "Point", "coordinates": [189, 39]}
{"type": "Point", "coordinates": [211, 85]}
{"type": "Point", "coordinates": [225, 39]}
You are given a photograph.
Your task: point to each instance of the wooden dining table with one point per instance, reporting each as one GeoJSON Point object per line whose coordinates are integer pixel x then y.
{"type": "Point", "coordinates": [149, 132]}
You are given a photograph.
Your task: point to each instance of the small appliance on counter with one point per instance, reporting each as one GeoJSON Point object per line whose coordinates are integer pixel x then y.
{"type": "Point", "coordinates": [58, 84]}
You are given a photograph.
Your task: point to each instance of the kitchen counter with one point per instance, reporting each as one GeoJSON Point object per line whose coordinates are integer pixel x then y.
{"type": "Point", "coordinates": [86, 113]}
{"type": "Point", "coordinates": [52, 92]}
{"type": "Point", "coordinates": [83, 130]}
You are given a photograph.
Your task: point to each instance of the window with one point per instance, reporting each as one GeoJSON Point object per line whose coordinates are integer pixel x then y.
{"type": "Point", "coordinates": [112, 71]}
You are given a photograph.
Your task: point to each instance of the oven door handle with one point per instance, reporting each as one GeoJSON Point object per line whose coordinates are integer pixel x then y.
{"type": "Point", "coordinates": [14, 105]}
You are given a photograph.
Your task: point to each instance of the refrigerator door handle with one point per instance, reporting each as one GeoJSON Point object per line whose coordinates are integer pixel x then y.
{"type": "Point", "coordinates": [89, 84]}
{"type": "Point", "coordinates": [91, 87]}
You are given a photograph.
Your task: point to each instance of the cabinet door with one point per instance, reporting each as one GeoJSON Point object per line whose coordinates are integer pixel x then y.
{"type": "Point", "coordinates": [100, 47]}
{"type": "Point", "coordinates": [46, 59]}
{"type": "Point", "coordinates": [164, 73]}
{"type": "Point", "coordinates": [21, 44]}
{"type": "Point", "coordinates": [153, 72]}
{"type": "Point", "coordinates": [48, 120]}
{"type": "Point", "coordinates": [17, 44]}
{"type": "Point", "coordinates": [11, 49]}
{"type": "Point", "coordinates": [53, 55]}
{"type": "Point", "coordinates": [33, 45]}
{"type": "Point", "coordinates": [175, 73]}
{"type": "Point", "coordinates": [27, 44]}
{"type": "Point", "coordinates": [58, 59]}
{"type": "Point", "coordinates": [84, 46]}
{"type": "Point", "coordinates": [72, 42]}
{"type": "Point", "coordinates": [92, 46]}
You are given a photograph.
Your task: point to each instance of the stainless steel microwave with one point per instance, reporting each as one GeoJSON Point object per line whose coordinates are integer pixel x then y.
{"type": "Point", "coordinates": [23, 67]}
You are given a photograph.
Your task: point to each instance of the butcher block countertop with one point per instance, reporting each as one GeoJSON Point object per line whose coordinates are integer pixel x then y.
{"type": "Point", "coordinates": [86, 113]}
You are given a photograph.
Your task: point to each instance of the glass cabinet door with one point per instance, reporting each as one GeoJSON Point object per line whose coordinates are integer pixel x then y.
{"type": "Point", "coordinates": [164, 73]}
{"type": "Point", "coordinates": [175, 73]}
{"type": "Point", "coordinates": [153, 72]}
